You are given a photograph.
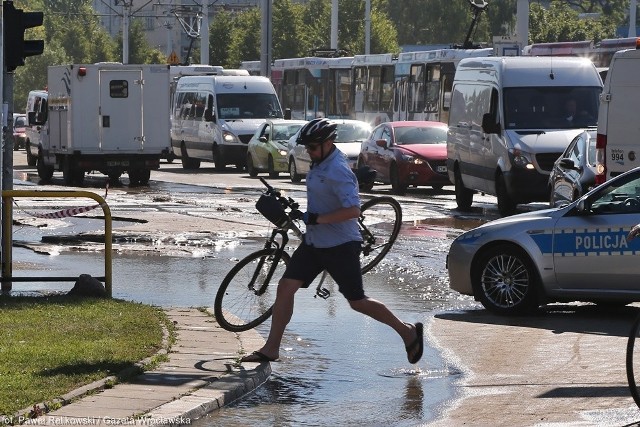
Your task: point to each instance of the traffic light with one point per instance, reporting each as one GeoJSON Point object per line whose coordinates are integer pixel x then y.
{"type": "Point", "coordinates": [16, 48]}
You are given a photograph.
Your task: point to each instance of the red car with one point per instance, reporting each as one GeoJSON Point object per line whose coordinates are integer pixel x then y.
{"type": "Point", "coordinates": [19, 131]}
{"type": "Point", "coordinates": [407, 153]}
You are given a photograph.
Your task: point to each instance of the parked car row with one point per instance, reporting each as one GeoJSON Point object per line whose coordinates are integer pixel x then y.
{"type": "Point", "coordinates": [403, 154]}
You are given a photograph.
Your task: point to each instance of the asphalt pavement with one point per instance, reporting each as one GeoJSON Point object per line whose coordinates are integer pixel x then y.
{"type": "Point", "coordinates": [562, 368]}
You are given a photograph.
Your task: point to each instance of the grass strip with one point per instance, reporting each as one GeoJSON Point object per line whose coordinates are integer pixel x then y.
{"type": "Point", "coordinates": [52, 345]}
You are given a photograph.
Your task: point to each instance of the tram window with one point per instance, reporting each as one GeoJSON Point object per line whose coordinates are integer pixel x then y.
{"type": "Point", "coordinates": [372, 98]}
{"type": "Point", "coordinates": [416, 88]}
{"type": "Point", "coordinates": [387, 78]}
{"type": "Point", "coordinates": [360, 82]}
{"type": "Point", "coordinates": [432, 89]}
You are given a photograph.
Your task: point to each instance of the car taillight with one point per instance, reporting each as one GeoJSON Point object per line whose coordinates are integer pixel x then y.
{"type": "Point", "coordinates": [601, 161]}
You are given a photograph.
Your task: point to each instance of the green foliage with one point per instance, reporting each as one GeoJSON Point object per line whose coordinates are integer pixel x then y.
{"type": "Point", "coordinates": [561, 23]}
{"type": "Point", "coordinates": [53, 345]}
{"type": "Point", "coordinates": [245, 38]}
{"type": "Point", "coordinates": [73, 34]}
{"type": "Point", "coordinates": [220, 38]}
{"type": "Point", "coordinates": [139, 50]}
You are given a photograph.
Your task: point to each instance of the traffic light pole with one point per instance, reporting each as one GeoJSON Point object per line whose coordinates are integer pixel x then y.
{"type": "Point", "coordinates": [7, 162]}
{"type": "Point", "coordinates": [14, 22]}
{"type": "Point", "coordinates": [1, 133]}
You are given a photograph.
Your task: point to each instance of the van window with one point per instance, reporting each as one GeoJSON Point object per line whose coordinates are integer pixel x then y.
{"type": "Point", "coordinates": [546, 107]}
{"type": "Point", "coordinates": [469, 103]}
{"type": "Point", "coordinates": [248, 105]}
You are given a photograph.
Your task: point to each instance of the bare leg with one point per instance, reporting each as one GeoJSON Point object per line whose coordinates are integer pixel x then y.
{"type": "Point", "coordinates": [378, 311]}
{"type": "Point", "coordinates": [282, 312]}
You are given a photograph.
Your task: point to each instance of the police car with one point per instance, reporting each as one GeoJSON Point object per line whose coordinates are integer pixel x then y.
{"type": "Point", "coordinates": [578, 252]}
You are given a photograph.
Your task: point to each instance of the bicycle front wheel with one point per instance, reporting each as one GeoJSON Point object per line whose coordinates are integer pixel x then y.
{"type": "Point", "coordinates": [247, 293]}
{"type": "Point", "coordinates": [633, 361]}
{"type": "Point", "coordinates": [380, 221]}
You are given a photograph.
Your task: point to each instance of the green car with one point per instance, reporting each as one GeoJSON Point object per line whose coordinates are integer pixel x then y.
{"type": "Point", "coordinates": [267, 150]}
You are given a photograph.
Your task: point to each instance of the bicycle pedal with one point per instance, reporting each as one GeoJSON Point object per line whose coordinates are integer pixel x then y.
{"type": "Point", "coordinates": [322, 293]}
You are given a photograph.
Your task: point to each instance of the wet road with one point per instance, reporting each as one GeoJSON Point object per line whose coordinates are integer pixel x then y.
{"type": "Point", "coordinates": [338, 367]}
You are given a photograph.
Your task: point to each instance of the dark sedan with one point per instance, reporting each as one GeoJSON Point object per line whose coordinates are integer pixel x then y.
{"type": "Point", "coordinates": [407, 153]}
{"type": "Point", "coordinates": [574, 173]}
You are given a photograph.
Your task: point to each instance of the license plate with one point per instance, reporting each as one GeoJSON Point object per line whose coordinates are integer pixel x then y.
{"type": "Point", "coordinates": [112, 163]}
{"type": "Point", "coordinates": [441, 169]}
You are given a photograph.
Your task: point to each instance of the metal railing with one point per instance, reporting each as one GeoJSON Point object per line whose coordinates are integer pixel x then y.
{"type": "Point", "coordinates": [7, 238]}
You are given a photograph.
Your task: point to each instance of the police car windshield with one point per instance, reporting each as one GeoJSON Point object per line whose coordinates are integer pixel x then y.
{"type": "Point", "coordinates": [551, 107]}
{"type": "Point", "coordinates": [621, 195]}
{"type": "Point", "coordinates": [248, 106]}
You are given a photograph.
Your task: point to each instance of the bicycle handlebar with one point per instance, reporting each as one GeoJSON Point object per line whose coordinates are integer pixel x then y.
{"type": "Point", "coordinates": [286, 202]}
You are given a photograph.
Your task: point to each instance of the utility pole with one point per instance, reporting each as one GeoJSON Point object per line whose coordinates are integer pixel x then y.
{"type": "Point", "coordinates": [204, 34]}
{"type": "Point", "coordinates": [265, 42]}
{"type": "Point", "coordinates": [633, 4]}
{"type": "Point", "coordinates": [334, 25]}
{"type": "Point", "coordinates": [126, 17]}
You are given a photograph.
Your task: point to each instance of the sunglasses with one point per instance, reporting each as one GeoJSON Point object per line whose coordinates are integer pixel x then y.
{"type": "Point", "coordinates": [312, 147]}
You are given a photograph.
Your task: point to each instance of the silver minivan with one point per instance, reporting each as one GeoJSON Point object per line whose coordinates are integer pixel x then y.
{"type": "Point", "coordinates": [510, 120]}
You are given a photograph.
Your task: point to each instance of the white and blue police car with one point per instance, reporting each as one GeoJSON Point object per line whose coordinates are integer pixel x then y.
{"type": "Point", "coordinates": [578, 252]}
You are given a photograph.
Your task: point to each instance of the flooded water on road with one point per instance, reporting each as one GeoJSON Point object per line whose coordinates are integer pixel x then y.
{"type": "Point", "coordinates": [338, 367]}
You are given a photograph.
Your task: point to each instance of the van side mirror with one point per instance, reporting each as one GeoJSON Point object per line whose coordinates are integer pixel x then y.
{"type": "Point", "coordinates": [262, 139]}
{"type": "Point", "coordinates": [209, 116]}
{"type": "Point", "coordinates": [489, 124]}
{"type": "Point", "coordinates": [287, 113]}
{"type": "Point", "coordinates": [568, 163]}
{"type": "Point", "coordinates": [382, 143]}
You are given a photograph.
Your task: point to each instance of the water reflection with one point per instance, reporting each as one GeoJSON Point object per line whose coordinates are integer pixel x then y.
{"type": "Point", "coordinates": [339, 367]}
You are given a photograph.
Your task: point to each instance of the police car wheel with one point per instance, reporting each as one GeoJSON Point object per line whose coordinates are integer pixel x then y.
{"type": "Point", "coordinates": [505, 280]}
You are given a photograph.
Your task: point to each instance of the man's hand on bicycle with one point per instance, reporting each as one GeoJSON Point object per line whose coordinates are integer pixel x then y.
{"type": "Point", "coordinates": [309, 218]}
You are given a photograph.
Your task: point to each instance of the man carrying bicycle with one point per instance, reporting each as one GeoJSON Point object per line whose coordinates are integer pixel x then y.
{"type": "Point", "coordinates": [332, 242]}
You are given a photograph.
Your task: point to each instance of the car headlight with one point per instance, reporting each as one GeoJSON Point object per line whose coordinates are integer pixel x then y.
{"type": "Point", "coordinates": [411, 159]}
{"type": "Point", "coordinates": [229, 137]}
{"type": "Point", "coordinates": [521, 159]}
{"type": "Point", "coordinates": [283, 153]}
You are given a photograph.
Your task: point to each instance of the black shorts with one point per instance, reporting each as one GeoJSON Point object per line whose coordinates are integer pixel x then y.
{"type": "Point", "coordinates": [342, 262]}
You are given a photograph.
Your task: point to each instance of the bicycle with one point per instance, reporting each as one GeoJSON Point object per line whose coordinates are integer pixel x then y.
{"type": "Point", "coordinates": [632, 370]}
{"type": "Point", "coordinates": [246, 295]}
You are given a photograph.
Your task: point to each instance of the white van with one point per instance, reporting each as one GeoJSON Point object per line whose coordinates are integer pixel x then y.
{"type": "Point", "coordinates": [618, 139]}
{"type": "Point", "coordinates": [508, 124]}
{"type": "Point", "coordinates": [37, 112]}
{"type": "Point", "coordinates": [214, 117]}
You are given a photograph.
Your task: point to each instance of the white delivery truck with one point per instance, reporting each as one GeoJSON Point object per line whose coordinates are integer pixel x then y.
{"type": "Point", "coordinates": [214, 117]}
{"type": "Point", "coordinates": [105, 117]}
{"type": "Point", "coordinates": [510, 119]}
{"type": "Point", "coordinates": [618, 137]}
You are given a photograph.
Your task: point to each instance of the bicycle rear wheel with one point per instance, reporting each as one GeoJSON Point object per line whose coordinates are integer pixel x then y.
{"type": "Point", "coordinates": [380, 221]}
{"type": "Point", "coordinates": [633, 361]}
{"type": "Point", "coordinates": [247, 293]}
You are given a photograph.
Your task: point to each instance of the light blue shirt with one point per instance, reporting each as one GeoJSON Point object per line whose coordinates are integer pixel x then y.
{"type": "Point", "coordinates": [331, 185]}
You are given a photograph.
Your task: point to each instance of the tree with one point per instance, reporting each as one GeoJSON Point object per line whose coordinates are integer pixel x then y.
{"type": "Point", "coordinates": [220, 38]}
{"type": "Point", "coordinates": [140, 52]}
{"type": "Point", "coordinates": [289, 32]}
{"type": "Point", "coordinates": [562, 23]}
{"type": "Point", "coordinates": [245, 38]}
